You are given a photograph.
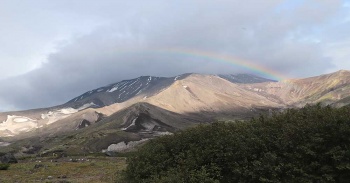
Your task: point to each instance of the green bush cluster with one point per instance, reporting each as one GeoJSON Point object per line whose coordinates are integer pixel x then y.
{"type": "Point", "coordinates": [311, 144]}
{"type": "Point", "coordinates": [4, 166]}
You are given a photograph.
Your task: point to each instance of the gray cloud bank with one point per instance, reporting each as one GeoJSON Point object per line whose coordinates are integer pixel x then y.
{"type": "Point", "coordinates": [281, 35]}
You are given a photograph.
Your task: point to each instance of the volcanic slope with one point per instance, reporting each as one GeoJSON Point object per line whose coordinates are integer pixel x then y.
{"type": "Point", "coordinates": [188, 100]}
{"type": "Point", "coordinates": [209, 94]}
{"type": "Point", "coordinates": [245, 78]}
{"type": "Point", "coordinates": [126, 92]}
{"type": "Point", "coordinates": [330, 89]}
{"type": "Point", "coordinates": [110, 99]}
{"type": "Point", "coordinates": [164, 106]}
{"type": "Point", "coordinates": [122, 91]}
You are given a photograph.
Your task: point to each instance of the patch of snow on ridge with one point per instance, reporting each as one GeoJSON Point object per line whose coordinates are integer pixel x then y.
{"type": "Point", "coordinates": [16, 124]}
{"type": "Point", "coordinates": [134, 82]}
{"type": "Point", "coordinates": [85, 106]}
{"type": "Point", "coordinates": [113, 89]}
{"type": "Point", "coordinates": [125, 84]}
{"type": "Point", "coordinates": [132, 124]}
{"type": "Point", "coordinates": [19, 119]}
{"type": "Point", "coordinates": [149, 80]}
{"type": "Point", "coordinates": [68, 110]}
{"type": "Point", "coordinates": [138, 89]}
{"type": "Point", "coordinates": [59, 114]}
{"type": "Point", "coordinates": [24, 129]}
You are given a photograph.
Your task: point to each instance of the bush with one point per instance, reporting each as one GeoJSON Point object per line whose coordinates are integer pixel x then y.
{"type": "Point", "coordinates": [4, 166]}
{"type": "Point", "coordinates": [300, 145]}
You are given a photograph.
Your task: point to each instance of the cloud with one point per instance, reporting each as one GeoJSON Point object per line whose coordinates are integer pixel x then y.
{"type": "Point", "coordinates": [133, 38]}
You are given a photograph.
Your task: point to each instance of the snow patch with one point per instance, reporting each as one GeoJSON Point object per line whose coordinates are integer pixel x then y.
{"type": "Point", "coordinates": [67, 110]}
{"type": "Point", "coordinates": [149, 80]}
{"type": "Point", "coordinates": [86, 106]}
{"type": "Point", "coordinates": [17, 124]}
{"type": "Point", "coordinates": [19, 119]}
{"type": "Point", "coordinates": [134, 82]}
{"type": "Point", "coordinates": [24, 130]}
{"type": "Point", "coordinates": [113, 89]}
{"type": "Point", "coordinates": [53, 116]}
{"type": "Point", "coordinates": [140, 90]}
{"type": "Point", "coordinates": [121, 94]}
{"type": "Point", "coordinates": [132, 124]}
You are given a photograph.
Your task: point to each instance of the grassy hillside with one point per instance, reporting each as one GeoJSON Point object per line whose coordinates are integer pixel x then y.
{"type": "Point", "coordinates": [300, 145]}
{"type": "Point", "coordinates": [81, 169]}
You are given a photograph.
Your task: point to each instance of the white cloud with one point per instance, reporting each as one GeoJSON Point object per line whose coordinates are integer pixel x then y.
{"type": "Point", "coordinates": [80, 45]}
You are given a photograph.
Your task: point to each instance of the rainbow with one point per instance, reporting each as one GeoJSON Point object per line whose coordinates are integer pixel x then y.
{"type": "Point", "coordinates": [222, 58]}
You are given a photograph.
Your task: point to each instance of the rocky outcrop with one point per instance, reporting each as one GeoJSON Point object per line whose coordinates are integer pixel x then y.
{"type": "Point", "coordinates": [122, 146]}
{"type": "Point", "coordinates": [8, 158]}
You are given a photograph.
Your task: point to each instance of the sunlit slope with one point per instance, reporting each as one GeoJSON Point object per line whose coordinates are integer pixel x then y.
{"type": "Point", "coordinates": [208, 93]}
{"type": "Point", "coordinates": [331, 88]}
{"type": "Point", "coordinates": [205, 96]}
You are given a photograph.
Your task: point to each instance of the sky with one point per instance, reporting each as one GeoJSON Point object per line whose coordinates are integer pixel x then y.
{"type": "Point", "coordinates": [52, 51]}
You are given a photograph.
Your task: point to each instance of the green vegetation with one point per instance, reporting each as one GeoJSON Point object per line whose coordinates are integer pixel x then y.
{"type": "Point", "coordinates": [92, 169]}
{"type": "Point", "coordinates": [311, 144]}
{"type": "Point", "coordinates": [4, 166]}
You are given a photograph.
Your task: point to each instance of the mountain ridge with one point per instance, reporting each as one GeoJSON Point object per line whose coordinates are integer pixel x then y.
{"type": "Point", "coordinates": [168, 104]}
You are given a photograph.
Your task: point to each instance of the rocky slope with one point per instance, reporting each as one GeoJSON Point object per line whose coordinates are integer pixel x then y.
{"type": "Point", "coordinates": [333, 89]}
{"type": "Point", "coordinates": [127, 113]}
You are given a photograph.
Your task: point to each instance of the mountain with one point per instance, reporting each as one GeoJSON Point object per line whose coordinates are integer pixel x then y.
{"type": "Point", "coordinates": [126, 113]}
{"type": "Point", "coordinates": [245, 78]}
{"type": "Point", "coordinates": [145, 85]}
{"type": "Point", "coordinates": [209, 94]}
{"type": "Point", "coordinates": [330, 89]}
{"type": "Point", "coordinates": [121, 91]}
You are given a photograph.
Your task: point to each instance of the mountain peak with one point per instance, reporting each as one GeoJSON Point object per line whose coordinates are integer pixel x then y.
{"type": "Point", "coordinates": [338, 74]}
{"type": "Point", "coordinates": [245, 78]}
{"type": "Point", "coordinates": [342, 72]}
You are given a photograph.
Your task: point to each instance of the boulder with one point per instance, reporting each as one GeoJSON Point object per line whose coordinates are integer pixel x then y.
{"type": "Point", "coordinates": [8, 158]}
{"type": "Point", "coordinates": [36, 166]}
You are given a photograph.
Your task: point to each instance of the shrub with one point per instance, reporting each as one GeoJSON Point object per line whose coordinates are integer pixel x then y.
{"type": "Point", "coordinates": [4, 166]}
{"type": "Point", "coordinates": [300, 145]}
